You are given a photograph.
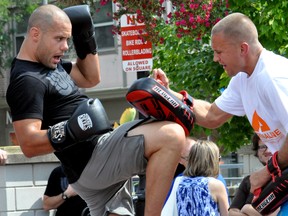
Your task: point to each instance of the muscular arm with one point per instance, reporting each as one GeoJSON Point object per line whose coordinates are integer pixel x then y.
{"type": "Point", "coordinates": [32, 140]}
{"type": "Point", "coordinates": [209, 115]}
{"type": "Point", "coordinates": [86, 72]}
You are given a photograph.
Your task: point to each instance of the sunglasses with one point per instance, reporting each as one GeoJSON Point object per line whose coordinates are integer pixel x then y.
{"type": "Point", "coordinates": [262, 147]}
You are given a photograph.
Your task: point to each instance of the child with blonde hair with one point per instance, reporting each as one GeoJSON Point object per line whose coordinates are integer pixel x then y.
{"type": "Point", "coordinates": [198, 192]}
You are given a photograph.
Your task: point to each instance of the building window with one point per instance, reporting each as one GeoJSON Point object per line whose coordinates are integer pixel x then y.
{"type": "Point", "coordinates": [103, 23]}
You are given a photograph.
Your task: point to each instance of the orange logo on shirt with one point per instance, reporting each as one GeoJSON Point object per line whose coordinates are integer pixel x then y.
{"type": "Point", "coordinates": [258, 124]}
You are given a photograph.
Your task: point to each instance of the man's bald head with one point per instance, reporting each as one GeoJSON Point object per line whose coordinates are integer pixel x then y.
{"type": "Point", "coordinates": [236, 27]}
{"type": "Point", "coordinates": [45, 16]}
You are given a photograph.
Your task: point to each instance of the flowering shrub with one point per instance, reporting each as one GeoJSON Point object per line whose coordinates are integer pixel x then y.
{"type": "Point", "coordinates": [191, 17]}
{"type": "Point", "coordinates": [196, 17]}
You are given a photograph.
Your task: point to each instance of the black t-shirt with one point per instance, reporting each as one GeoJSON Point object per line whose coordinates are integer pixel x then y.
{"type": "Point", "coordinates": [57, 184]}
{"type": "Point", "coordinates": [243, 195]}
{"type": "Point", "coordinates": [38, 92]}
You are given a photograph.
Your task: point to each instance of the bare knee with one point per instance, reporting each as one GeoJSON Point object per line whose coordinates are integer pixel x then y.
{"type": "Point", "coordinates": [173, 137]}
{"type": "Point", "coordinates": [161, 135]}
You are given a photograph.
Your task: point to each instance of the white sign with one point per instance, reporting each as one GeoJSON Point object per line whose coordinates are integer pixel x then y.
{"type": "Point", "coordinates": [136, 51]}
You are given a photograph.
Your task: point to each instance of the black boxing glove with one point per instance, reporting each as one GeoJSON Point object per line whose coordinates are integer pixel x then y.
{"type": "Point", "coordinates": [83, 31]}
{"type": "Point", "coordinates": [88, 119]}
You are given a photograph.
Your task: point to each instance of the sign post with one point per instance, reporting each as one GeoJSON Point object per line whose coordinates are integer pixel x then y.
{"type": "Point", "coordinates": [136, 57]}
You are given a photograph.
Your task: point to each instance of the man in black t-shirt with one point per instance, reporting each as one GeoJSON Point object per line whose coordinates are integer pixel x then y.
{"type": "Point", "coordinates": [241, 203]}
{"type": "Point", "coordinates": [61, 196]}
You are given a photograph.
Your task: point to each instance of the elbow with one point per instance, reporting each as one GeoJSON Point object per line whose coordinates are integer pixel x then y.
{"type": "Point", "coordinates": [27, 150]}
{"type": "Point", "coordinates": [92, 82]}
{"type": "Point", "coordinates": [27, 153]}
{"type": "Point", "coordinates": [46, 208]}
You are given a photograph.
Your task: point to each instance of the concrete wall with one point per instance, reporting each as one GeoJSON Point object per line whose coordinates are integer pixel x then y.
{"type": "Point", "coordinates": [23, 182]}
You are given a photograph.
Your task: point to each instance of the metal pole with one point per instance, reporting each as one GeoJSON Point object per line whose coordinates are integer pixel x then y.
{"type": "Point", "coordinates": [44, 2]}
{"type": "Point", "coordinates": [140, 202]}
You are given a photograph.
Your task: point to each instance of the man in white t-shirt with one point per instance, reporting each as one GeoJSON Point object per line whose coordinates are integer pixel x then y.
{"type": "Point", "coordinates": [258, 88]}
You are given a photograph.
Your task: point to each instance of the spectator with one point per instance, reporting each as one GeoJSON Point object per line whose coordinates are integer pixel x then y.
{"type": "Point", "coordinates": [61, 196]}
{"type": "Point", "coordinates": [198, 192]}
{"type": "Point", "coordinates": [241, 203]}
{"type": "Point", "coordinates": [3, 157]}
{"type": "Point", "coordinates": [183, 163]}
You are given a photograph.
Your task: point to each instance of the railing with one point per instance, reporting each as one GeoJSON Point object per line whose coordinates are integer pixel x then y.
{"type": "Point", "coordinates": [233, 181]}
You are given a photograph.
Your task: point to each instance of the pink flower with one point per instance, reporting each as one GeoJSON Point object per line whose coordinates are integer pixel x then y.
{"type": "Point", "coordinates": [183, 22]}
{"type": "Point", "coordinates": [182, 9]}
{"type": "Point", "coordinates": [207, 24]}
{"type": "Point", "coordinates": [103, 2]}
{"type": "Point", "coordinates": [191, 19]}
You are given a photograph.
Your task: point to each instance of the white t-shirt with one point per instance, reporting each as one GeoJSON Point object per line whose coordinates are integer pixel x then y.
{"type": "Point", "coordinates": [262, 97]}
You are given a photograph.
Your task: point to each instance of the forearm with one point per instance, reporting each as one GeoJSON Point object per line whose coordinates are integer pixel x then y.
{"type": "Point", "coordinates": [52, 202]}
{"type": "Point", "coordinates": [283, 155]}
{"type": "Point", "coordinates": [32, 140]}
{"type": "Point", "coordinates": [208, 115]}
{"type": "Point", "coordinates": [236, 212]}
{"type": "Point", "coordinates": [249, 210]}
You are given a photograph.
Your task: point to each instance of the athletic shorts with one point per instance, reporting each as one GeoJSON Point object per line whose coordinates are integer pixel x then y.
{"type": "Point", "coordinates": [104, 183]}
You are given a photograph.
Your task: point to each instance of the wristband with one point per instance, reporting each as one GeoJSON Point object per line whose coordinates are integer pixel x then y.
{"type": "Point", "coordinates": [273, 167]}
{"type": "Point", "coordinates": [64, 196]}
{"type": "Point", "coordinates": [187, 99]}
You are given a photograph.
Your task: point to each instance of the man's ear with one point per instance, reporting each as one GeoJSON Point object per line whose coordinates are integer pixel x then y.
{"type": "Point", "coordinates": [244, 48]}
{"type": "Point", "coordinates": [34, 33]}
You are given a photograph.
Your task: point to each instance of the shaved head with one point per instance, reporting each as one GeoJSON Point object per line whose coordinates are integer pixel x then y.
{"type": "Point", "coordinates": [237, 27]}
{"type": "Point", "coordinates": [45, 16]}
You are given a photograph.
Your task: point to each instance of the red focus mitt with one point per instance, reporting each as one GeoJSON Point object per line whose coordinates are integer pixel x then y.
{"type": "Point", "coordinates": [154, 100]}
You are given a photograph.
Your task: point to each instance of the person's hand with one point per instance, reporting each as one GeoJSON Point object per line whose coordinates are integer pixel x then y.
{"type": "Point", "coordinates": [259, 178]}
{"type": "Point", "coordinates": [160, 77]}
{"type": "Point", "coordinates": [3, 157]}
